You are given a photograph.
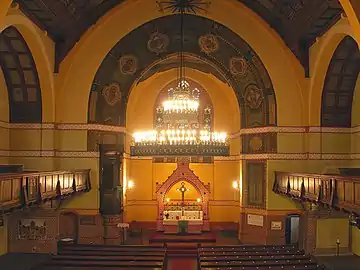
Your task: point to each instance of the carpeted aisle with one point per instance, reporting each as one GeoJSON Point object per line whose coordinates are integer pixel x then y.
{"type": "Point", "coordinates": [182, 263]}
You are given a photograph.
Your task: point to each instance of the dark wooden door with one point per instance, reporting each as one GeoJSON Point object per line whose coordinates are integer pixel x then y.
{"type": "Point", "coordinates": [110, 181]}
{"type": "Point", "coordinates": [68, 226]}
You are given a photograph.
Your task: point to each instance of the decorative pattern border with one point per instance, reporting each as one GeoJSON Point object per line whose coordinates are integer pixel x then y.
{"type": "Point", "coordinates": [111, 128]}
{"type": "Point", "coordinates": [266, 156]}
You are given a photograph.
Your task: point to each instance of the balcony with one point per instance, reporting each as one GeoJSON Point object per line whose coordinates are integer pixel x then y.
{"type": "Point", "coordinates": [339, 192]}
{"type": "Point", "coordinates": [18, 190]}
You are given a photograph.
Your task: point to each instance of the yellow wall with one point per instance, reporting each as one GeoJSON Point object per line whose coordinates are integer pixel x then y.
{"type": "Point", "coordinates": [224, 201]}
{"type": "Point", "coordinates": [329, 230]}
{"type": "Point", "coordinates": [355, 240]}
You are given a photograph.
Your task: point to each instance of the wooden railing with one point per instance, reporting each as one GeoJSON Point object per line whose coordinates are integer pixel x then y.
{"type": "Point", "coordinates": [18, 190]}
{"type": "Point", "coordinates": [340, 192]}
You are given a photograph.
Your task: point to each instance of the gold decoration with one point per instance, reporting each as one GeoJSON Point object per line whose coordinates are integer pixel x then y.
{"type": "Point", "coordinates": [112, 94]}
{"type": "Point", "coordinates": [158, 42]}
{"type": "Point", "coordinates": [209, 43]}
{"type": "Point", "coordinates": [256, 143]}
{"type": "Point", "coordinates": [238, 66]}
{"type": "Point", "coordinates": [128, 64]}
{"type": "Point", "coordinates": [253, 96]}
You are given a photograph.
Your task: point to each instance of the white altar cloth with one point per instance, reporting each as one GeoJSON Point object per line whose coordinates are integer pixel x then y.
{"type": "Point", "coordinates": [188, 215]}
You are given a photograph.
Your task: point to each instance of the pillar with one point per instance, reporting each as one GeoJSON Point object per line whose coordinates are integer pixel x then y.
{"type": "Point", "coordinates": [112, 233]}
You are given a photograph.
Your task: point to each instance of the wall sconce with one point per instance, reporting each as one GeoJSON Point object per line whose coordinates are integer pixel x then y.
{"type": "Point", "coordinates": [167, 200]}
{"type": "Point", "coordinates": [130, 184]}
{"type": "Point", "coordinates": [236, 185]}
{"type": "Point", "coordinates": [198, 200]}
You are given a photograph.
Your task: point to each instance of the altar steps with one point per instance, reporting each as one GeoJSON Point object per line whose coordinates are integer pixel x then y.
{"type": "Point", "coordinates": [188, 238]}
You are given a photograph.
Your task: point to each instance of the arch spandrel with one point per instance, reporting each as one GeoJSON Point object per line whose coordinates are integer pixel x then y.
{"type": "Point", "coordinates": [231, 56]}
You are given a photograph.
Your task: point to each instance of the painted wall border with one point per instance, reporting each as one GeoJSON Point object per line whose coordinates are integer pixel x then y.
{"type": "Point", "coordinates": [111, 128]}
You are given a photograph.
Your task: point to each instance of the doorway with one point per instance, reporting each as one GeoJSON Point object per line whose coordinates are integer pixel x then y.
{"type": "Point", "coordinates": [68, 226]}
{"type": "Point", "coordinates": [292, 229]}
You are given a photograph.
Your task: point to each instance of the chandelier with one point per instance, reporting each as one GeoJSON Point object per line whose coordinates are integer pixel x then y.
{"type": "Point", "coordinates": [178, 127]}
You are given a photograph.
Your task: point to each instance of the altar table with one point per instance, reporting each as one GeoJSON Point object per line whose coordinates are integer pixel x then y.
{"type": "Point", "coordinates": [190, 222]}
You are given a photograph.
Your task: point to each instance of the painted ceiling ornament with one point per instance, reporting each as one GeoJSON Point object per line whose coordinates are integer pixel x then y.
{"type": "Point", "coordinates": [158, 43]}
{"type": "Point", "coordinates": [209, 43]}
{"type": "Point", "coordinates": [112, 93]}
{"type": "Point", "coordinates": [253, 96]}
{"type": "Point", "coordinates": [238, 66]}
{"type": "Point", "coordinates": [128, 64]}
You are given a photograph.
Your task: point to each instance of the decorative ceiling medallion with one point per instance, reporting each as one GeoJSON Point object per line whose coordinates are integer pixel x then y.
{"type": "Point", "coordinates": [209, 43]}
{"type": "Point", "coordinates": [128, 64]}
{"type": "Point", "coordinates": [112, 93]}
{"type": "Point", "coordinates": [256, 143]}
{"type": "Point", "coordinates": [238, 66]}
{"type": "Point", "coordinates": [158, 43]}
{"type": "Point", "coordinates": [253, 96]}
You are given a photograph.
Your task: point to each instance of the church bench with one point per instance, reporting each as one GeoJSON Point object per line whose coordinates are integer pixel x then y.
{"type": "Point", "coordinates": [285, 267]}
{"type": "Point", "coordinates": [277, 263]}
{"type": "Point", "coordinates": [250, 253]}
{"type": "Point", "coordinates": [241, 247]}
{"type": "Point", "coordinates": [113, 253]}
{"type": "Point", "coordinates": [253, 258]}
{"type": "Point", "coordinates": [108, 258]}
{"type": "Point", "coordinates": [100, 264]}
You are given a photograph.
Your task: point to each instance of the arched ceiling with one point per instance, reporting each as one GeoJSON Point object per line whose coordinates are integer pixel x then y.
{"type": "Point", "coordinates": [209, 47]}
{"type": "Point", "coordinates": [298, 22]}
{"type": "Point", "coordinates": [339, 85]}
{"type": "Point", "coordinates": [21, 78]}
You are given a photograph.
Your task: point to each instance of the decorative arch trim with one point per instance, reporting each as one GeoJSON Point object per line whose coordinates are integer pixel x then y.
{"type": "Point", "coordinates": [183, 173]}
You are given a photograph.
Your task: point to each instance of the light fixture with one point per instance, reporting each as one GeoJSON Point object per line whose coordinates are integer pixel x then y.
{"type": "Point", "coordinates": [179, 131]}
{"type": "Point", "coordinates": [236, 185]}
{"type": "Point", "coordinates": [130, 184]}
{"type": "Point", "coordinates": [198, 200]}
{"type": "Point", "coordinates": [167, 200]}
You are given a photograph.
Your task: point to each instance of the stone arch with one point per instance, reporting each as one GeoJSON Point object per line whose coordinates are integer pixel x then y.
{"type": "Point", "coordinates": [352, 10]}
{"type": "Point", "coordinates": [339, 85]}
{"type": "Point", "coordinates": [41, 48]}
{"type": "Point", "coordinates": [21, 76]}
{"type": "Point", "coordinates": [183, 172]}
{"type": "Point", "coordinates": [324, 49]}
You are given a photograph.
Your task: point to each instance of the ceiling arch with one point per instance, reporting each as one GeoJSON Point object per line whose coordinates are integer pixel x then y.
{"type": "Point", "coordinates": [21, 78]}
{"type": "Point", "coordinates": [156, 40]}
{"type": "Point", "coordinates": [338, 91]}
{"type": "Point", "coordinates": [298, 22]}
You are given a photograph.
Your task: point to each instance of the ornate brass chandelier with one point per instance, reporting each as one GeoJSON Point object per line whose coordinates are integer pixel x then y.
{"type": "Point", "coordinates": [178, 131]}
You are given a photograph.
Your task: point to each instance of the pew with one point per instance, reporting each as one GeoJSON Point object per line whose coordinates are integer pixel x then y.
{"type": "Point", "coordinates": [71, 256]}
{"type": "Point", "coordinates": [254, 257]}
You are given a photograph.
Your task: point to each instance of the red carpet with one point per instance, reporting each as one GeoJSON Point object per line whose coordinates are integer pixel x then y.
{"type": "Point", "coordinates": [182, 264]}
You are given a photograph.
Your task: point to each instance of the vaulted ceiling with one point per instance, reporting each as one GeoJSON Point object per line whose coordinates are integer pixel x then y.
{"type": "Point", "coordinates": [298, 22]}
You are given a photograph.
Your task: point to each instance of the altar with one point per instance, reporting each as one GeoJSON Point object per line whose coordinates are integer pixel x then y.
{"type": "Point", "coordinates": [186, 221]}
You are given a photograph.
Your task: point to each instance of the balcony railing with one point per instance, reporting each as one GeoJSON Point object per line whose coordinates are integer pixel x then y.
{"type": "Point", "coordinates": [18, 190]}
{"type": "Point", "coordinates": [339, 192]}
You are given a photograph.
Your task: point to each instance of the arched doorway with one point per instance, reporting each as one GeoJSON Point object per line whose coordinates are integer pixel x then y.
{"type": "Point", "coordinates": [178, 179]}
{"type": "Point", "coordinates": [68, 226]}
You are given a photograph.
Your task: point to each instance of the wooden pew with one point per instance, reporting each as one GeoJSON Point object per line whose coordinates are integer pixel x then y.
{"type": "Point", "coordinates": [254, 257]}
{"type": "Point", "coordinates": [78, 257]}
